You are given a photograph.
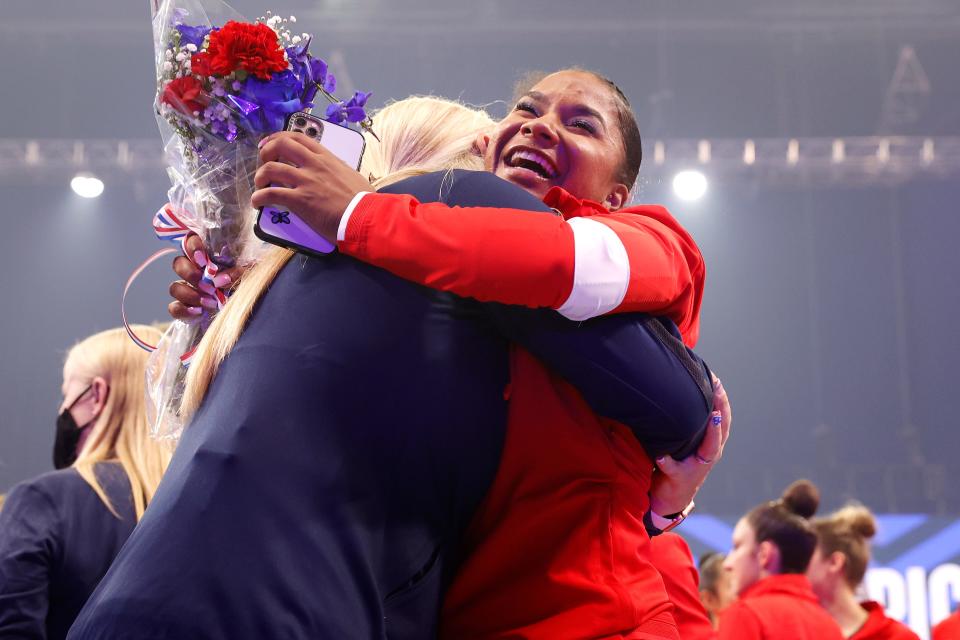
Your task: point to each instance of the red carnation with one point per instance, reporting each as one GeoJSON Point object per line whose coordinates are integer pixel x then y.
{"type": "Point", "coordinates": [200, 64]}
{"type": "Point", "coordinates": [185, 95]}
{"type": "Point", "coordinates": [253, 48]}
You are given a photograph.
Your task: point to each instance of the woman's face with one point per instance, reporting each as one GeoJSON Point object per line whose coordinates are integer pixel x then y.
{"type": "Point", "coordinates": [820, 575]}
{"type": "Point", "coordinates": [564, 132]}
{"type": "Point", "coordinates": [72, 389]}
{"type": "Point", "coordinates": [743, 562]}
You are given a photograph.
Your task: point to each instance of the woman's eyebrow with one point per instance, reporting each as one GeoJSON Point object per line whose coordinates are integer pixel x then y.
{"type": "Point", "coordinates": [535, 95]}
{"type": "Point", "coordinates": [586, 110]}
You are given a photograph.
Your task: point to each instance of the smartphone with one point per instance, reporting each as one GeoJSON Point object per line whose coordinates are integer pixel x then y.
{"type": "Point", "coordinates": [286, 228]}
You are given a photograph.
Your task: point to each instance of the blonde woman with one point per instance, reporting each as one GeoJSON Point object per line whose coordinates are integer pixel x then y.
{"type": "Point", "coordinates": [346, 427]}
{"type": "Point", "coordinates": [60, 532]}
{"type": "Point", "coordinates": [837, 569]}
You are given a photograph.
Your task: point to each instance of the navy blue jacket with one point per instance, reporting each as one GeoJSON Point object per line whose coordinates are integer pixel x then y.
{"type": "Point", "coordinates": [322, 488]}
{"type": "Point", "coordinates": [57, 539]}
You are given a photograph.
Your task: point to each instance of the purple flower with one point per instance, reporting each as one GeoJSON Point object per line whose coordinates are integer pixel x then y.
{"type": "Point", "coordinates": [192, 35]}
{"type": "Point", "coordinates": [311, 71]}
{"type": "Point", "coordinates": [351, 110]}
{"type": "Point", "coordinates": [265, 104]}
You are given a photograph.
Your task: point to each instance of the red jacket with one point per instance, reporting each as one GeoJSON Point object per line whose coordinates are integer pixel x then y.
{"type": "Point", "coordinates": [558, 548]}
{"type": "Point", "coordinates": [672, 558]}
{"type": "Point", "coordinates": [948, 629]}
{"type": "Point", "coordinates": [781, 607]}
{"type": "Point", "coordinates": [528, 258]}
{"type": "Point", "coordinates": [879, 627]}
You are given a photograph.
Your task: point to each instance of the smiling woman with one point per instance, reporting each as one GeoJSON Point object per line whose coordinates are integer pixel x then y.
{"type": "Point", "coordinates": [564, 132]}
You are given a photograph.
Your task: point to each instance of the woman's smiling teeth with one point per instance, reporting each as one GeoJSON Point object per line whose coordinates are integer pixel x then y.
{"type": "Point", "coordinates": [532, 161]}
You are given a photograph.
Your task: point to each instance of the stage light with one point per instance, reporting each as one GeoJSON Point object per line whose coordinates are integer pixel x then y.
{"type": "Point", "coordinates": [689, 185]}
{"type": "Point", "coordinates": [86, 185]}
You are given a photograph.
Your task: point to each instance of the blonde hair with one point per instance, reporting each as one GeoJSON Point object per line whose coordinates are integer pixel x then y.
{"type": "Point", "coordinates": [418, 135]}
{"type": "Point", "coordinates": [421, 134]}
{"type": "Point", "coordinates": [120, 433]}
{"type": "Point", "coordinates": [848, 531]}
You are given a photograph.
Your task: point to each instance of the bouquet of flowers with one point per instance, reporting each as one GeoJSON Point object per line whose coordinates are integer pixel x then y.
{"type": "Point", "coordinates": [222, 84]}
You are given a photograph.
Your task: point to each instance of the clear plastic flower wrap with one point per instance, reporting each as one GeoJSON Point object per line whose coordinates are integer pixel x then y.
{"type": "Point", "coordinates": [222, 84]}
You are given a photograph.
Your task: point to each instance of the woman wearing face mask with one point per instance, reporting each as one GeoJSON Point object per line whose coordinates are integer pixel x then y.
{"type": "Point", "coordinates": [837, 569]}
{"type": "Point", "coordinates": [772, 546]}
{"type": "Point", "coordinates": [60, 532]}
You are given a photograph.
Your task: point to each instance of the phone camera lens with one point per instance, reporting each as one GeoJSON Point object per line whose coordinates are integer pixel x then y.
{"type": "Point", "coordinates": [312, 132]}
{"type": "Point", "coordinates": [300, 122]}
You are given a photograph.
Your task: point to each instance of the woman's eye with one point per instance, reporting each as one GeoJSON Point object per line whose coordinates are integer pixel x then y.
{"type": "Point", "coordinates": [585, 125]}
{"type": "Point", "coordinates": [525, 106]}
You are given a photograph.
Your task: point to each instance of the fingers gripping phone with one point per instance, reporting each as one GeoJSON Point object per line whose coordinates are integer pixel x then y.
{"type": "Point", "coordinates": [286, 228]}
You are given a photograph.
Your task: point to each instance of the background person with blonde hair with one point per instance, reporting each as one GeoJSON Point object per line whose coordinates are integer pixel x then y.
{"type": "Point", "coordinates": [837, 569]}
{"type": "Point", "coordinates": [59, 532]}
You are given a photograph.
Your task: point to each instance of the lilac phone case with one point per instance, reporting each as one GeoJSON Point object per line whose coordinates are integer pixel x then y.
{"type": "Point", "coordinates": [286, 228]}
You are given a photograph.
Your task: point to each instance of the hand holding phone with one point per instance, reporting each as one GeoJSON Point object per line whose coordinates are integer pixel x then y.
{"type": "Point", "coordinates": [284, 227]}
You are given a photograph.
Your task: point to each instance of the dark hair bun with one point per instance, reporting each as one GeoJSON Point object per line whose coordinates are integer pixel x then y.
{"type": "Point", "coordinates": [802, 498]}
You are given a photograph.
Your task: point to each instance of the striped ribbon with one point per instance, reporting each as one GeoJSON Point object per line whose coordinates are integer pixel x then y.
{"type": "Point", "coordinates": [140, 342]}
{"type": "Point", "coordinates": [171, 226]}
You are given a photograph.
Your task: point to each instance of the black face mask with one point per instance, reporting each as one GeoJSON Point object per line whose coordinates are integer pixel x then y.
{"type": "Point", "coordinates": [68, 435]}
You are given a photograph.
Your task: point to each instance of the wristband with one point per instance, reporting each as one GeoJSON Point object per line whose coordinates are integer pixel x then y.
{"type": "Point", "coordinates": [657, 524]}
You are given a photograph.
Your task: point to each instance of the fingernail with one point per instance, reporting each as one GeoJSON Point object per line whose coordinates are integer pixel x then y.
{"type": "Point", "coordinates": [199, 258]}
{"type": "Point", "coordinates": [221, 280]}
{"type": "Point", "coordinates": [262, 142]}
{"type": "Point", "coordinates": [194, 311]}
{"type": "Point", "coordinates": [206, 287]}
{"type": "Point", "coordinates": [208, 303]}
{"type": "Point", "coordinates": [717, 419]}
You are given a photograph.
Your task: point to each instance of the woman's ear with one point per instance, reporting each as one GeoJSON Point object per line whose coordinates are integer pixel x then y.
{"type": "Point", "coordinates": [481, 143]}
{"type": "Point", "coordinates": [100, 391]}
{"type": "Point", "coordinates": [836, 562]}
{"type": "Point", "coordinates": [768, 555]}
{"type": "Point", "coordinates": [618, 197]}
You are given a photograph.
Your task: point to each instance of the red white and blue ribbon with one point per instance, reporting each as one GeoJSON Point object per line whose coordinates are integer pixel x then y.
{"type": "Point", "coordinates": [140, 342]}
{"type": "Point", "coordinates": [171, 225]}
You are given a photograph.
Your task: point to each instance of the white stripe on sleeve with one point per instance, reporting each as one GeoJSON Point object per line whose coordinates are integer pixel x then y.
{"type": "Point", "coordinates": [601, 271]}
{"type": "Point", "coordinates": [342, 229]}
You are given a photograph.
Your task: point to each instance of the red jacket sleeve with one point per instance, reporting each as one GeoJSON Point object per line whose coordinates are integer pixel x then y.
{"type": "Point", "coordinates": [667, 271]}
{"type": "Point", "coordinates": [528, 258]}
{"type": "Point", "coordinates": [671, 556]}
{"type": "Point", "coordinates": [493, 255]}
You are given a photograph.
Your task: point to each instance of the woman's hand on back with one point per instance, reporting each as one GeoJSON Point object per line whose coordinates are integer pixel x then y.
{"type": "Point", "coordinates": [676, 482]}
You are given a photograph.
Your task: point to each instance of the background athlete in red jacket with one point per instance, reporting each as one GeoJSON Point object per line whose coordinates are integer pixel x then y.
{"type": "Point", "coordinates": [837, 569]}
{"type": "Point", "coordinates": [772, 546]}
